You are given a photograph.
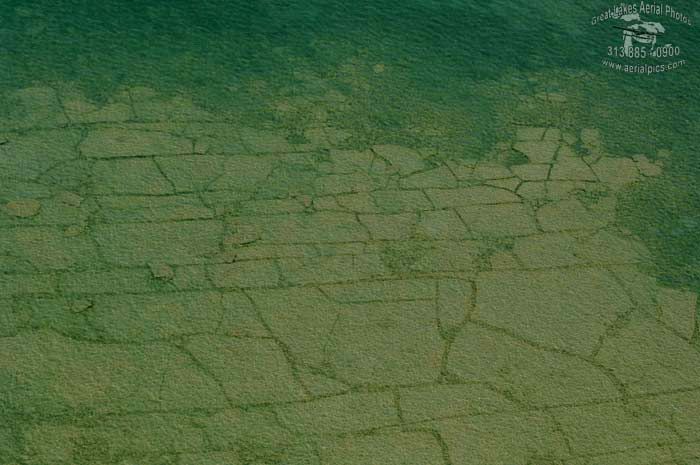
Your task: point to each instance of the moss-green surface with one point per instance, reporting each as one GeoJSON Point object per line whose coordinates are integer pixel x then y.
{"type": "Point", "coordinates": [343, 233]}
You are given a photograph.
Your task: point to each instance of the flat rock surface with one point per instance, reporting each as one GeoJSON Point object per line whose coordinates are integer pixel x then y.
{"type": "Point", "coordinates": [211, 293]}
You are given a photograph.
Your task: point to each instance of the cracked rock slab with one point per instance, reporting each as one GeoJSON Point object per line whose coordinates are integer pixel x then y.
{"type": "Point", "coordinates": [564, 309]}
{"type": "Point", "coordinates": [527, 373]}
{"type": "Point", "coordinates": [124, 142]}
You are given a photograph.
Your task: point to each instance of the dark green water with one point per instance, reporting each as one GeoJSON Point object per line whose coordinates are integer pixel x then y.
{"type": "Point", "coordinates": [453, 74]}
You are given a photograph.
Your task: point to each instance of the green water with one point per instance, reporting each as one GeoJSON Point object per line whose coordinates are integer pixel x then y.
{"type": "Point", "coordinates": [124, 293]}
{"type": "Point", "coordinates": [453, 75]}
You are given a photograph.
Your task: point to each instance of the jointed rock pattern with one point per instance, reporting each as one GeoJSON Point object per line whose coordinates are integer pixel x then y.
{"type": "Point", "coordinates": [180, 289]}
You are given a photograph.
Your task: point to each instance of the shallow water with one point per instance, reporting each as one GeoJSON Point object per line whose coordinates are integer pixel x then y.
{"type": "Point", "coordinates": [333, 232]}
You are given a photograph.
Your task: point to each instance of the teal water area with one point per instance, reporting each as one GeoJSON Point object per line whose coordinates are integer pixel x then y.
{"type": "Point", "coordinates": [454, 74]}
